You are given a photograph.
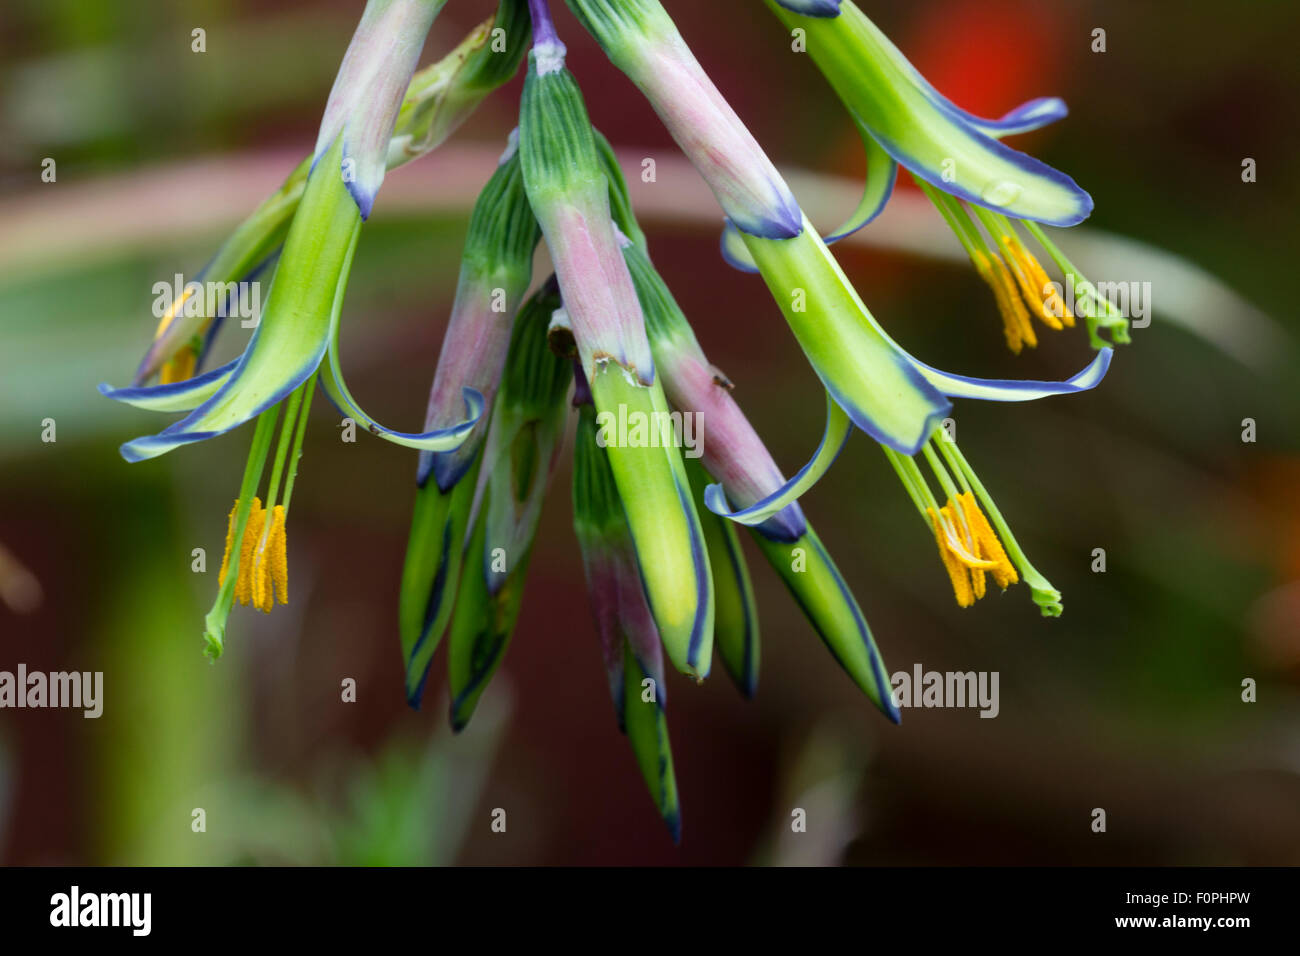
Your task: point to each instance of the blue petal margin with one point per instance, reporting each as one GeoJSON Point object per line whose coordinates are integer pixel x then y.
{"type": "Point", "coordinates": [826, 9]}
{"type": "Point", "coordinates": [700, 560]}
{"type": "Point", "coordinates": [173, 436]}
{"type": "Point", "coordinates": [1032, 115]}
{"type": "Point", "coordinates": [734, 251]}
{"type": "Point", "coordinates": [361, 184]}
{"type": "Point", "coordinates": [879, 675]}
{"type": "Point", "coordinates": [942, 407]}
{"type": "Point", "coordinates": [785, 221]}
{"type": "Point", "coordinates": [176, 397]}
{"type": "Point", "coordinates": [1031, 167]}
{"type": "Point", "coordinates": [833, 440]}
{"type": "Point", "coordinates": [439, 439]}
{"type": "Point", "coordinates": [882, 171]}
{"type": "Point", "coordinates": [1016, 390]}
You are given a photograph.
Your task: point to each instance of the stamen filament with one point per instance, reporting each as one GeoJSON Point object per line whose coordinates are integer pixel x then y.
{"type": "Point", "coordinates": [1016, 326]}
{"type": "Point", "coordinates": [308, 391]}
{"type": "Point", "coordinates": [931, 511]}
{"type": "Point", "coordinates": [891, 456]}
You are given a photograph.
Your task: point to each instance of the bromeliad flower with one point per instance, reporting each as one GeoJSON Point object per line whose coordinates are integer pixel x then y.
{"type": "Point", "coordinates": [522, 449]}
{"type": "Point", "coordinates": [657, 529]}
{"type": "Point", "coordinates": [735, 456]}
{"type": "Point", "coordinates": [495, 270]}
{"type": "Point", "coordinates": [439, 98]}
{"type": "Point", "coordinates": [629, 639]}
{"type": "Point", "coordinates": [570, 197]}
{"type": "Point", "coordinates": [870, 380]}
{"type": "Point", "coordinates": [298, 333]}
{"type": "Point", "coordinates": [958, 160]}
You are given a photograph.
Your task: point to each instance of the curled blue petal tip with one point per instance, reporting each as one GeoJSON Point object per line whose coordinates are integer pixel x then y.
{"type": "Point", "coordinates": [1017, 390]}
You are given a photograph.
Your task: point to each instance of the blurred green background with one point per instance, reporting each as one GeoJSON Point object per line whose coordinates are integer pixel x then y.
{"type": "Point", "coordinates": [1130, 702]}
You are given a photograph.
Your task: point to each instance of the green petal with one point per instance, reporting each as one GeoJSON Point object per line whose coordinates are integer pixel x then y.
{"type": "Point", "coordinates": [665, 527]}
{"type": "Point", "coordinates": [647, 732]}
{"type": "Point", "coordinates": [832, 443]}
{"type": "Point", "coordinates": [820, 589]}
{"type": "Point", "coordinates": [431, 573]}
{"type": "Point", "coordinates": [883, 92]}
{"type": "Point", "coordinates": [301, 309]}
{"type": "Point", "coordinates": [735, 616]}
{"type": "Point", "coordinates": [866, 373]}
{"type": "Point", "coordinates": [483, 623]}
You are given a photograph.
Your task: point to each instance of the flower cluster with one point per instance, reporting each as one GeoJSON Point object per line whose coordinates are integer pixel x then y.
{"type": "Point", "coordinates": [604, 340]}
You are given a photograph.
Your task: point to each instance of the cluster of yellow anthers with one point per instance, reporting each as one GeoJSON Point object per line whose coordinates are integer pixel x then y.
{"type": "Point", "coordinates": [970, 548]}
{"type": "Point", "coordinates": [1015, 276]}
{"type": "Point", "coordinates": [263, 557]}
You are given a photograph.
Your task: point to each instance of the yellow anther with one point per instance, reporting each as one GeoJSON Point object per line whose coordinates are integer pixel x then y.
{"type": "Point", "coordinates": [986, 540]}
{"type": "Point", "coordinates": [263, 562]}
{"type": "Point", "coordinates": [244, 592]}
{"type": "Point", "coordinates": [180, 367]}
{"type": "Point", "coordinates": [1015, 318]}
{"type": "Point", "coordinates": [963, 519]}
{"type": "Point", "coordinates": [1031, 294]}
{"type": "Point", "coordinates": [173, 310]}
{"type": "Point", "coordinates": [1039, 291]}
{"type": "Point", "coordinates": [230, 540]}
{"type": "Point", "coordinates": [278, 553]}
{"type": "Point", "coordinates": [271, 564]}
{"type": "Point", "coordinates": [961, 543]}
{"type": "Point", "coordinates": [957, 572]}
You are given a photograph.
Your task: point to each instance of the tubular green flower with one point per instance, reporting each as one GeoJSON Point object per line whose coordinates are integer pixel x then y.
{"type": "Point", "coordinates": [443, 96]}
{"type": "Point", "coordinates": [746, 184]}
{"type": "Point", "coordinates": [299, 328]}
{"type": "Point", "coordinates": [367, 95]}
{"type": "Point", "coordinates": [921, 130]}
{"type": "Point", "coordinates": [969, 547]}
{"type": "Point", "coordinates": [495, 270]}
{"type": "Point", "coordinates": [519, 459]}
{"type": "Point", "coordinates": [298, 333]}
{"type": "Point", "coordinates": [735, 615]}
{"type": "Point", "coordinates": [870, 380]}
{"type": "Point", "coordinates": [629, 640]}
{"type": "Point", "coordinates": [971, 177]}
{"type": "Point", "coordinates": [736, 457]}
{"type": "Point", "coordinates": [570, 197]}
{"type": "Point", "coordinates": [438, 100]}
{"type": "Point", "coordinates": [496, 267]}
